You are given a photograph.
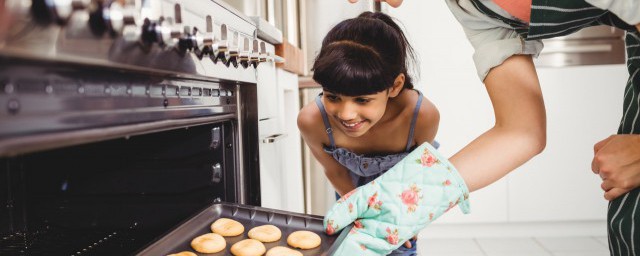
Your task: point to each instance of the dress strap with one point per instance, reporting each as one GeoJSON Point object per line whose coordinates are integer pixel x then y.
{"type": "Point", "coordinates": [413, 120]}
{"type": "Point", "coordinates": [325, 119]}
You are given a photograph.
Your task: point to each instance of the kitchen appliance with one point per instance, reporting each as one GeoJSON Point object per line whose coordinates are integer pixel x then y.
{"type": "Point", "coordinates": [120, 119]}
{"type": "Point", "coordinates": [598, 45]}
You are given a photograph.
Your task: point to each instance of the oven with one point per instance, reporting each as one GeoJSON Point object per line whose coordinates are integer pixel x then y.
{"type": "Point", "coordinates": [126, 123]}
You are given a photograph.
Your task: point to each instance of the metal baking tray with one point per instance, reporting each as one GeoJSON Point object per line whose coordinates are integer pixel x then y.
{"type": "Point", "coordinates": [179, 239]}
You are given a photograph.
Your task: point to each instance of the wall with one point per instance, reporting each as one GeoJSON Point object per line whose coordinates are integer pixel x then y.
{"type": "Point", "coordinates": [556, 189]}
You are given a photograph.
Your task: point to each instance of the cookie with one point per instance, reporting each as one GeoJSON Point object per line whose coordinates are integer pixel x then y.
{"type": "Point", "coordinates": [303, 239]}
{"type": "Point", "coordinates": [208, 243]}
{"type": "Point", "coordinates": [227, 227]}
{"type": "Point", "coordinates": [185, 253]}
{"type": "Point", "coordinates": [265, 233]}
{"type": "Point", "coordinates": [283, 251]}
{"type": "Point", "coordinates": [248, 247]}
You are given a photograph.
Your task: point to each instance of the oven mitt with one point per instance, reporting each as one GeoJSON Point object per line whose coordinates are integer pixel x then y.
{"type": "Point", "coordinates": [393, 208]}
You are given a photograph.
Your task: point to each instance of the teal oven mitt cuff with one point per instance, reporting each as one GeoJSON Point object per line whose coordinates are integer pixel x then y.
{"type": "Point", "coordinates": [393, 208]}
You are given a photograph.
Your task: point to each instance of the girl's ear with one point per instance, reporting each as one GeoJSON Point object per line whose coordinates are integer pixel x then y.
{"type": "Point", "coordinates": [398, 84]}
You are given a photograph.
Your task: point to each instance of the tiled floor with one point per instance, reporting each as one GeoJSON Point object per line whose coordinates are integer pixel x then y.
{"type": "Point", "coordinates": [536, 246]}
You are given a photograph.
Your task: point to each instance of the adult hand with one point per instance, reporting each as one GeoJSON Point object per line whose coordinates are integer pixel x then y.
{"type": "Point", "coordinates": [617, 160]}
{"type": "Point", "coordinates": [392, 3]}
{"type": "Point", "coordinates": [394, 207]}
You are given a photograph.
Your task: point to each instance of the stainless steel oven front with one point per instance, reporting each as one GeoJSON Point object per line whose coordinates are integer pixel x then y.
{"type": "Point", "coordinates": [121, 118]}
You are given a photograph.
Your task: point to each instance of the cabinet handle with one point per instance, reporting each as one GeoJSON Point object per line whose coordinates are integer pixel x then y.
{"type": "Point", "coordinates": [273, 138]}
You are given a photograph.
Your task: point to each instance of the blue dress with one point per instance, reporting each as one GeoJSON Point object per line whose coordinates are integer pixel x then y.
{"type": "Point", "coordinates": [363, 168]}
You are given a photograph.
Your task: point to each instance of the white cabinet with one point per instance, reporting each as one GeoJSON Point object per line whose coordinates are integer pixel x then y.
{"type": "Point", "coordinates": [280, 153]}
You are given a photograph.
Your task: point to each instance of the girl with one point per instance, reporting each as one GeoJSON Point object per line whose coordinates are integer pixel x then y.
{"type": "Point", "coordinates": [368, 116]}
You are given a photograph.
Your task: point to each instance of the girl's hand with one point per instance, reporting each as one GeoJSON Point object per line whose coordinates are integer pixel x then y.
{"type": "Point", "coordinates": [392, 3]}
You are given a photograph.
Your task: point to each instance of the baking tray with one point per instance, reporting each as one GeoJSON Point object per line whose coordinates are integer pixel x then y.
{"type": "Point", "coordinates": [179, 239]}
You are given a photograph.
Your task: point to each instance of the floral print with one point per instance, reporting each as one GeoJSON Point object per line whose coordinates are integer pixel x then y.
{"type": "Point", "coordinates": [347, 195]}
{"type": "Point", "coordinates": [410, 198]}
{"type": "Point", "coordinates": [357, 225]}
{"type": "Point", "coordinates": [392, 237]}
{"type": "Point", "coordinates": [373, 202]}
{"type": "Point", "coordinates": [396, 204]}
{"type": "Point", "coordinates": [427, 159]}
{"type": "Point", "coordinates": [330, 228]}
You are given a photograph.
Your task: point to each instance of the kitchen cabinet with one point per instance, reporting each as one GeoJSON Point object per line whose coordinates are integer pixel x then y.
{"type": "Point", "coordinates": [280, 152]}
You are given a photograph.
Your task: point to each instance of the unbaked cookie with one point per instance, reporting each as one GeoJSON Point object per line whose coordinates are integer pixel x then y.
{"type": "Point", "coordinates": [283, 251]}
{"type": "Point", "coordinates": [209, 243]}
{"type": "Point", "coordinates": [265, 233]}
{"type": "Point", "coordinates": [248, 247]}
{"type": "Point", "coordinates": [303, 239]}
{"type": "Point", "coordinates": [185, 253]}
{"type": "Point", "coordinates": [227, 227]}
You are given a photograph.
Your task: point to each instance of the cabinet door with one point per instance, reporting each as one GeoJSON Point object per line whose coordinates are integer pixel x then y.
{"type": "Point", "coordinates": [267, 91]}
{"type": "Point", "coordinates": [271, 177]}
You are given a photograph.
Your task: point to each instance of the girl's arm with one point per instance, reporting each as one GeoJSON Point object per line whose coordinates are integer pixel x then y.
{"type": "Point", "coordinates": [312, 130]}
{"type": "Point", "coordinates": [519, 132]}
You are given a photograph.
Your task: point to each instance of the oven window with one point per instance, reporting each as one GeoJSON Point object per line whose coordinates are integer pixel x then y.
{"type": "Point", "coordinates": [113, 197]}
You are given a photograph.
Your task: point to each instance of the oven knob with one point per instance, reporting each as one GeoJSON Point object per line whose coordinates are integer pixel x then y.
{"type": "Point", "coordinates": [263, 52]}
{"type": "Point", "coordinates": [245, 53]}
{"type": "Point", "coordinates": [116, 17]}
{"type": "Point", "coordinates": [59, 11]}
{"type": "Point", "coordinates": [233, 50]}
{"type": "Point", "coordinates": [254, 58]}
{"type": "Point", "coordinates": [17, 8]}
{"type": "Point", "coordinates": [163, 32]}
{"type": "Point", "coordinates": [222, 53]}
{"type": "Point", "coordinates": [204, 43]}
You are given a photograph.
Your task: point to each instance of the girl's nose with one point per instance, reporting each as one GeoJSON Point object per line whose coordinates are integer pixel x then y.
{"type": "Point", "coordinates": [347, 112]}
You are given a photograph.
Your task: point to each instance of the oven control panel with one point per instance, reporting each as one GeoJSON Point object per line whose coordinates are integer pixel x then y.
{"type": "Point", "coordinates": [193, 37]}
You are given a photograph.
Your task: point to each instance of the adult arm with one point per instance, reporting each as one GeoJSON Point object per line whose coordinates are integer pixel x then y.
{"type": "Point", "coordinates": [519, 132]}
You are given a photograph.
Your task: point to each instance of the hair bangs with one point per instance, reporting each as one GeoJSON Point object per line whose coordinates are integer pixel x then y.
{"type": "Point", "coordinates": [350, 69]}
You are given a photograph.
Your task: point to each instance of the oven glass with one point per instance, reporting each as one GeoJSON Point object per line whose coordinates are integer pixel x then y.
{"type": "Point", "coordinates": [114, 196]}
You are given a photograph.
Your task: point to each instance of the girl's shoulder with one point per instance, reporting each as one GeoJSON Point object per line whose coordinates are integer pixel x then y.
{"type": "Point", "coordinates": [310, 120]}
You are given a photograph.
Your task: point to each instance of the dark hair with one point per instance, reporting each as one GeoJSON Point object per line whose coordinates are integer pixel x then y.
{"type": "Point", "coordinates": [363, 55]}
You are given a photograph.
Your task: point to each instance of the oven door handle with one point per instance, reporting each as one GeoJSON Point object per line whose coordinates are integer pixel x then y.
{"type": "Point", "coordinates": [273, 138]}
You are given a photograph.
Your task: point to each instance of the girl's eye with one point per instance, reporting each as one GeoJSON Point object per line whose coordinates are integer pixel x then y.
{"type": "Point", "coordinates": [331, 97]}
{"type": "Point", "coordinates": [362, 100]}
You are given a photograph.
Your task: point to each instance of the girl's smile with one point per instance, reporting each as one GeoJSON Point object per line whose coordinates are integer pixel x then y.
{"type": "Point", "coordinates": [355, 115]}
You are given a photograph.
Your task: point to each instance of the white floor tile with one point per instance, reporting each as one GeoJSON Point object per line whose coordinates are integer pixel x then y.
{"type": "Point", "coordinates": [515, 246]}
{"type": "Point", "coordinates": [581, 254]}
{"type": "Point", "coordinates": [571, 244]}
{"type": "Point", "coordinates": [420, 253]}
{"type": "Point", "coordinates": [603, 240]}
{"type": "Point", "coordinates": [519, 254]}
{"type": "Point", "coordinates": [430, 246]}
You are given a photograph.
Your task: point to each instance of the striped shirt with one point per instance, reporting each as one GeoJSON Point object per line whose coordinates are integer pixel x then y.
{"type": "Point", "coordinates": [492, 36]}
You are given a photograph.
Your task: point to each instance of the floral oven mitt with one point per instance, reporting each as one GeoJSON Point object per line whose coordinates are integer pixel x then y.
{"type": "Point", "coordinates": [394, 207]}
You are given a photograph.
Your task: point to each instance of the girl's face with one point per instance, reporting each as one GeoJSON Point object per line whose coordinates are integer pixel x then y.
{"type": "Point", "coordinates": [354, 116]}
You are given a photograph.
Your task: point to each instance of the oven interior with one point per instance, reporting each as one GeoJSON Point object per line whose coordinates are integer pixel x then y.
{"type": "Point", "coordinates": [118, 195]}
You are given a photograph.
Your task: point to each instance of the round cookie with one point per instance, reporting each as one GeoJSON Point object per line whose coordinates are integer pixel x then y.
{"type": "Point", "coordinates": [303, 239]}
{"type": "Point", "coordinates": [209, 243]}
{"type": "Point", "coordinates": [185, 253]}
{"type": "Point", "coordinates": [248, 247]}
{"type": "Point", "coordinates": [265, 233]}
{"type": "Point", "coordinates": [227, 227]}
{"type": "Point", "coordinates": [283, 251]}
